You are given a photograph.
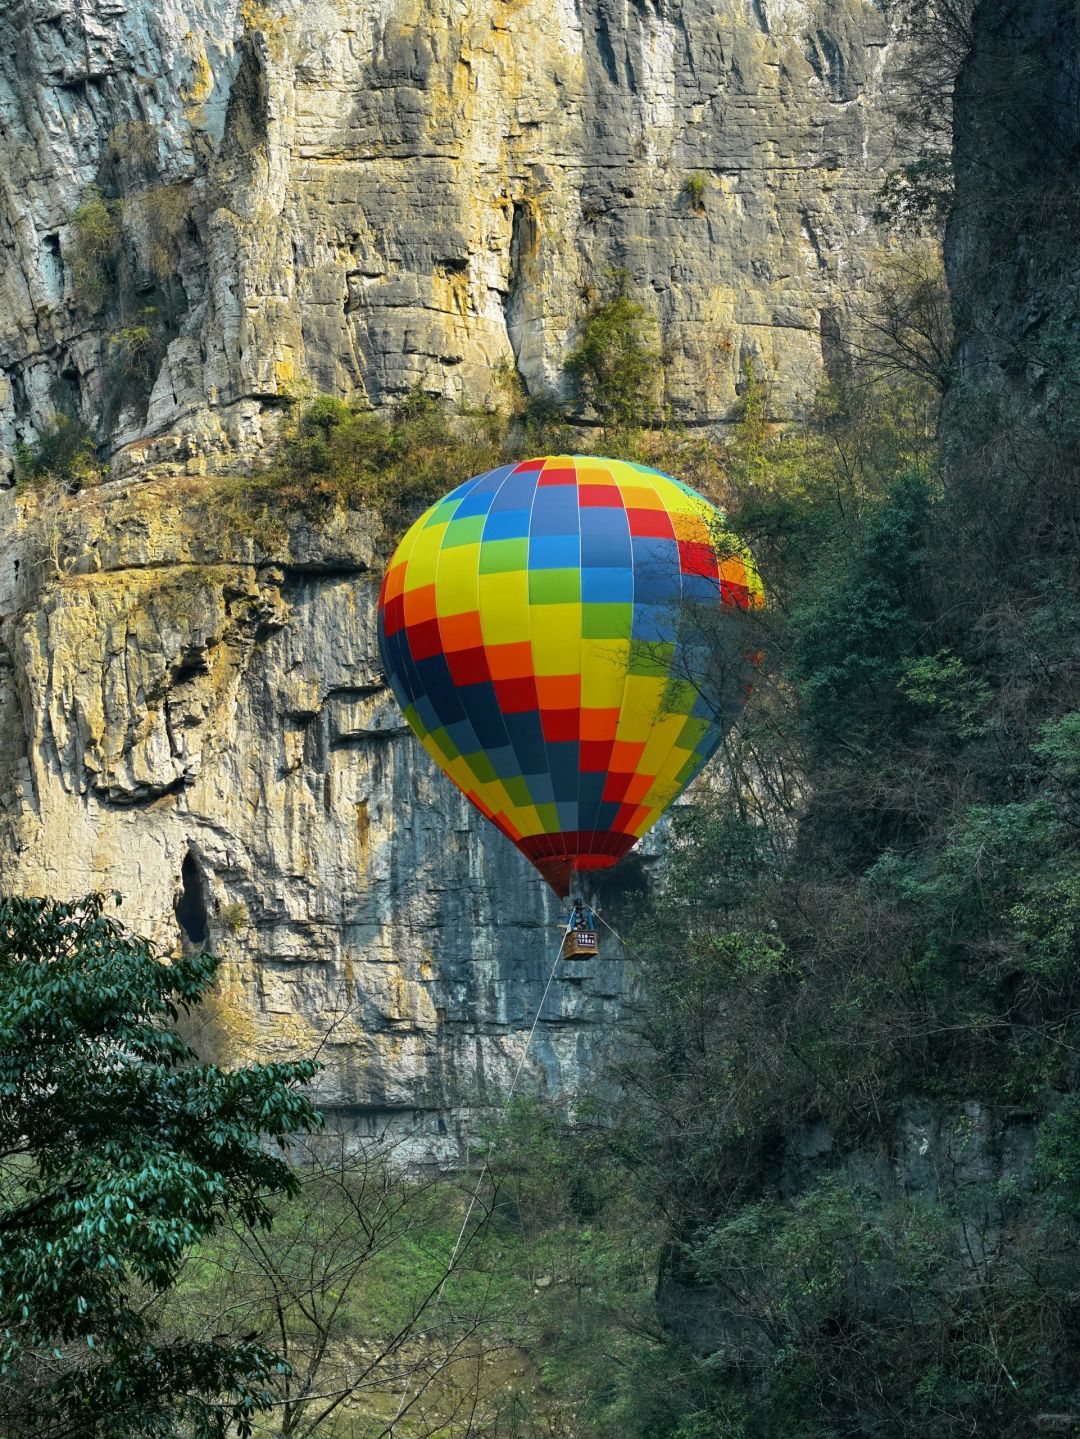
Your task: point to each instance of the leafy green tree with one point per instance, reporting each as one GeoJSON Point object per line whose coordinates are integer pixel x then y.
{"type": "Point", "coordinates": [118, 1151]}
{"type": "Point", "coordinates": [860, 619]}
{"type": "Point", "coordinates": [616, 362]}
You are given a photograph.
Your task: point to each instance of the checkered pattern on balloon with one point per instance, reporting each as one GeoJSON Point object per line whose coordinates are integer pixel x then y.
{"type": "Point", "coordinates": [570, 638]}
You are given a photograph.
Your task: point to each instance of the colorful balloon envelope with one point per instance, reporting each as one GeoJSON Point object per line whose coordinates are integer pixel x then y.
{"type": "Point", "coordinates": [569, 637]}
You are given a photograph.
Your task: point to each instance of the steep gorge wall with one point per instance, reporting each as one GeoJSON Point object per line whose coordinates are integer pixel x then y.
{"type": "Point", "coordinates": [1012, 237]}
{"type": "Point", "coordinates": [366, 198]}
{"type": "Point", "coordinates": [213, 738]}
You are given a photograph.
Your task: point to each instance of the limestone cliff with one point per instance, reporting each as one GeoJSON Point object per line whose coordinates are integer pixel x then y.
{"type": "Point", "coordinates": [213, 737]}
{"type": "Point", "coordinates": [210, 209]}
{"type": "Point", "coordinates": [364, 198]}
{"type": "Point", "coordinates": [1011, 244]}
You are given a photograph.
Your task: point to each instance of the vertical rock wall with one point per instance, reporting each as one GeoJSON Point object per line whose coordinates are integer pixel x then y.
{"type": "Point", "coordinates": [1012, 235]}
{"type": "Point", "coordinates": [214, 739]}
{"type": "Point", "coordinates": [360, 199]}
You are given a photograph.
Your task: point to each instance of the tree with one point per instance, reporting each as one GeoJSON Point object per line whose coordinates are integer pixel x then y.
{"type": "Point", "coordinates": [118, 1151]}
{"type": "Point", "coordinates": [933, 40]}
{"type": "Point", "coordinates": [615, 362]}
{"type": "Point", "coordinates": [348, 1282]}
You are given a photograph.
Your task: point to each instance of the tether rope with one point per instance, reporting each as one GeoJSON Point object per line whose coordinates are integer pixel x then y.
{"type": "Point", "coordinates": [612, 928]}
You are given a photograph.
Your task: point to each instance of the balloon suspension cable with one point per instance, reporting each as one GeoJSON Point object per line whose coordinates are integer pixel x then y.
{"type": "Point", "coordinates": [612, 928]}
{"type": "Point", "coordinates": [408, 1398]}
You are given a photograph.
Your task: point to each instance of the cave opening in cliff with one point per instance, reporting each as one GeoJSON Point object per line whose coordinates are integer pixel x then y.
{"type": "Point", "coordinates": [190, 906]}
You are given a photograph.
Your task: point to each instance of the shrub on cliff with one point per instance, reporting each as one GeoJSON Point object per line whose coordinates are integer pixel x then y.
{"type": "Point", "coordinates": [334, 455]}
{"type": "Point", "coordinates": [877, 915]}
{"type": "Point", "coordinates": [95, 247]}
{"type": "Point", "coordinates": [64, 454]}
{"type": "Point", "coordinates": [616, 363]}
{"type": "Point", "coordinates": [118, 1152]}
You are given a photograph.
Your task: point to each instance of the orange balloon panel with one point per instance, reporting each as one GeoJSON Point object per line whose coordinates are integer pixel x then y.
{"type": "Point", "coordinates": [549, 629]}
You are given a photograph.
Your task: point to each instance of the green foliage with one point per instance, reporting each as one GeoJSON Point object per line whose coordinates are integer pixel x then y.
{"type": "Point", "coordinates": [96, 229]}
{"type": "Point", "coordinates": [942, 685]}
{"type": "Point", "coordinates": [335, 456]}
{"type": "Point", "coordinates": [918, 194]}
{"type": "Point", "coordinates": [135, 353]}
{"type": "Point", "coordinates": [235, 916]}
{"type": "Point", "coordinates": [136, 350]}
{"type": "Point", "coordinates": [132, 347]}
{"type": "Point", "coordinates": [529, 1304]}
{"type": "Point", "coordinates": [587, 1244]}
{"type": "Point", "coordinates": [616, 362]}
{"type": "Point", "coordinates": [118, 1153]}
{"type": "Point", "coordinates": [859, 620]}
{"type": "Point", "coordinates": [116, 241]}
{"type": "Point", "coordinates": [351, 1264]}
{"type": "Point", "coordinates": [127, 238]}
{"type": "Point", "coordinates": [1058, 1155]}
{"type": "Point", "coordinates": [846, 1310]}
{"type": "Point", "coordinates": [877, 908]}
{"type": "Point", "coordinates": [694, 190]}
{"type": "Point", "coordinates": [63, 454]}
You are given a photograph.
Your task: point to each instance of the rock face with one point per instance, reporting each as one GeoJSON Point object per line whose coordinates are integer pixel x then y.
{"type": "Point", "coordinates": [363, 198]}
{"type": "Point", "coordinates": [214, 739]}
{"type": "Point", "coordinates": [1011, 243]}
{"type": "Point", "coordinates": [211, 207]}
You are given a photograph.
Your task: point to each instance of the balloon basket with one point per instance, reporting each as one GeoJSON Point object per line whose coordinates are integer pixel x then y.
{"type": "Point", "coordinates": [580, 944]}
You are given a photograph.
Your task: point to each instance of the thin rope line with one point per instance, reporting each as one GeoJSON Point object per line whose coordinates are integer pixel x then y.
{"type": "Point", "coordinates": [614, 931]}
{"type": "Point", "coordinates": [407, 1397]}
{"type": "Point", "coordinates": [396, 1141]}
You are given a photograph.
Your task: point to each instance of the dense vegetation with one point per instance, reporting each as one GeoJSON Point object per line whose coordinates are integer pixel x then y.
{"type": "Point", "coordinates": [839, 1193]}
{"type": "Point", "coordinates": [867, 945]}
{"type": "Point", "coordinates": [840, 1190]}
{"type": "Point", "coordinates": [117, 1154]}
{"type": "Point", "coordinates": [873, 932]}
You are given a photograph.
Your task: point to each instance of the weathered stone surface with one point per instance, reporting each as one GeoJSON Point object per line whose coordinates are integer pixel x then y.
{"type": "Point", "coordinates": [185, 724]}
{"type": "Point", "coordinates": [414, 192]}
{"type": "Point", "coordinates": [360, 199]}
{"type": "Point", "coordinates": [1011, 243]}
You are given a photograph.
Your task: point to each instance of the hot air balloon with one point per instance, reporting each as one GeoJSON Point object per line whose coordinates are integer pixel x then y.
{"type": "Point", "coordinates": [549, 630]}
